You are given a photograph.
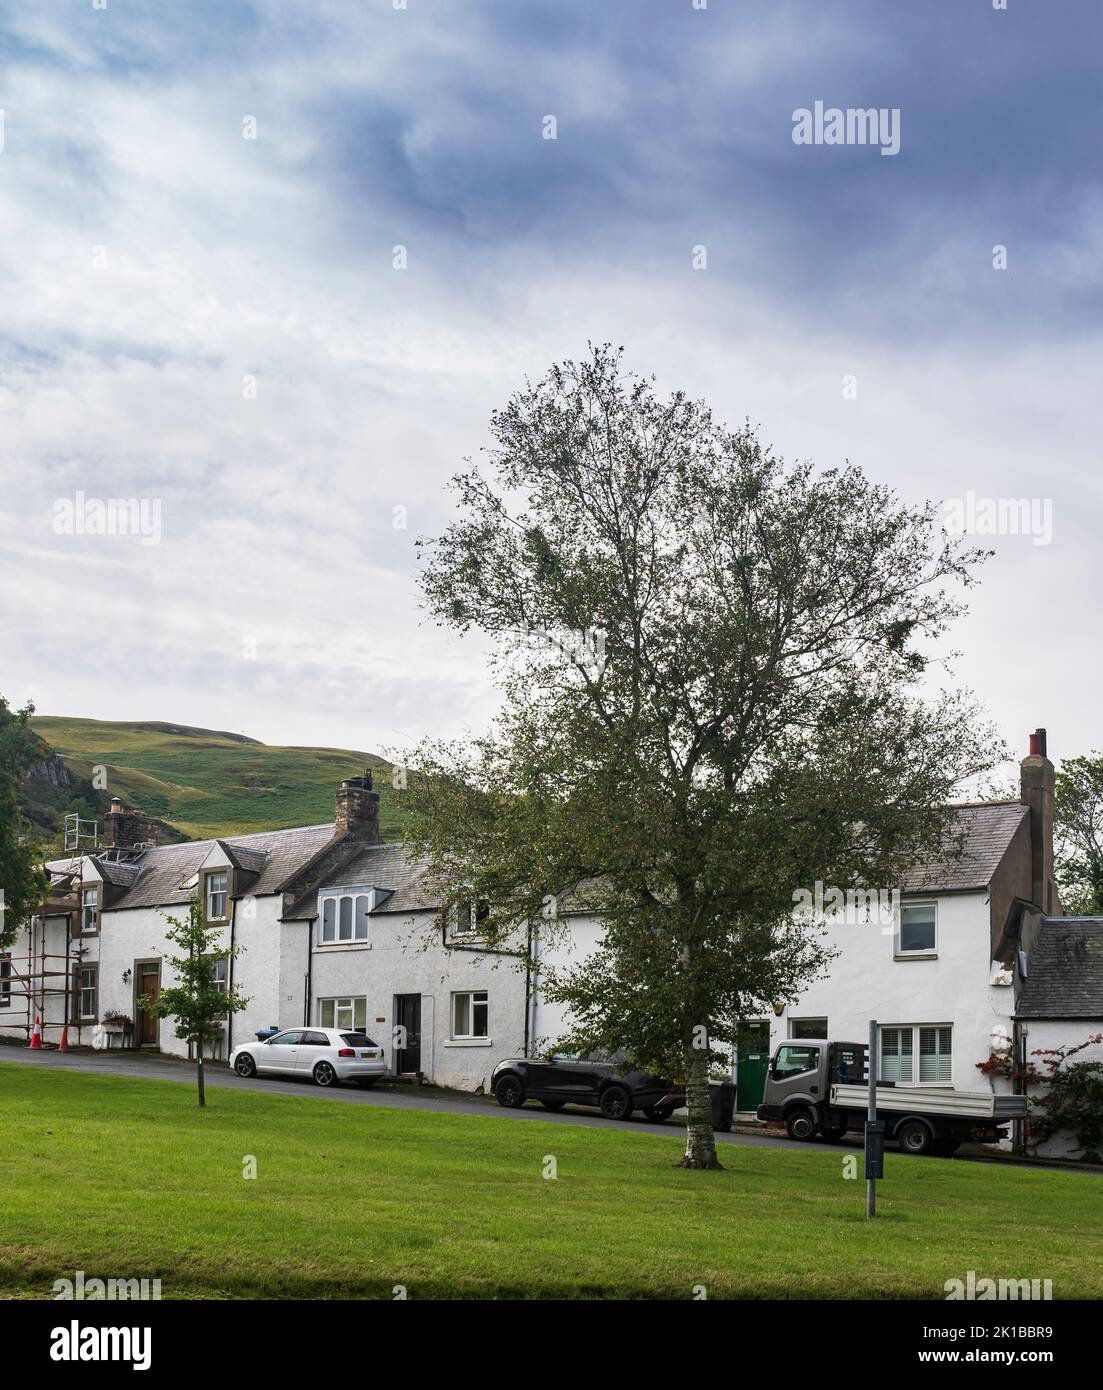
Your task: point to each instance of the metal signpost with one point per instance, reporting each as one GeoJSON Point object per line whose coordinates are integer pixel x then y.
{"type": "Point", "coordinates": [875, 1130]}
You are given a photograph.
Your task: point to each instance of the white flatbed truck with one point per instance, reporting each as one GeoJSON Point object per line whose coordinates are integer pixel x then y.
{"type": "Point", "coordinates": [816, 1086]}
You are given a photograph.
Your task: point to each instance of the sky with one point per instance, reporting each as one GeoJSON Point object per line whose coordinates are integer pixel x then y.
{"type": "Point", "coordinates": [200, 310]}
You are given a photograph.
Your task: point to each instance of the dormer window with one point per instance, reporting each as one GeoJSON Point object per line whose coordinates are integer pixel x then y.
{"type": "Point", "coordinates": [345, 916]}
{"type": "Point", "coordinates": [90, 911]}
{"type": "Point", "coordinates": [469, 916]}
{"type": "Point", "coordinates": [217, 890]}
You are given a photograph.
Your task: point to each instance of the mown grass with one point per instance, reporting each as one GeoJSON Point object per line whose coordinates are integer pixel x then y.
{"type": "Point", "coordinates": [210, 783]}
{"type": "Point", "coordinates": [126, 1178]}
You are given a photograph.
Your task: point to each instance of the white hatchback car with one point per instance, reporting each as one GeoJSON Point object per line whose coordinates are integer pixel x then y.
{"type": "Point", "coordinates": [326, 1055]}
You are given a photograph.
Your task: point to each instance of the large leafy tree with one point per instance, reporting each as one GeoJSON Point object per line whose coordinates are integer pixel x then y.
{"type": "Point", "coordinates": [23, 881]}
{"type": "Point", "coordinates": [709, 662]}
{"type": "Point", "coordinates": [1078, 818]}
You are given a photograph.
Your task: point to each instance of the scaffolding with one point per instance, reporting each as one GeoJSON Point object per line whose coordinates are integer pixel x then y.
{"type": "Point", "coordinates": [42, 976]}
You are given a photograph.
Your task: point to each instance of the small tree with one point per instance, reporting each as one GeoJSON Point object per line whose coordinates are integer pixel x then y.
{"type": "Point", "coordinates": [23, 882]}
{"type": "Point", "coordinates": [197, 1003]}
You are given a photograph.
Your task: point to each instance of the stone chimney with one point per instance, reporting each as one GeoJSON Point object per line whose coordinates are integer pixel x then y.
{"type": "Point", "coordinates": [358, 809]}
{"type": "Point", "coordinates": [123, 829]}
{"type": "Point", "coordinates": [1038, 781]}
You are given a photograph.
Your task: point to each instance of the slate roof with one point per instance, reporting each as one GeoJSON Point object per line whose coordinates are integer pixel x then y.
{"type": "Point", "coordinates": [1065, 970]}
{"type": "Point", "coordinates": [160, 875]}
{"type": "Point", "coordinates": [121, 875]}
{"type": "Point", "coordinates": [989, 828]}
{"type": "Point", "coordinates": [390, 867]}
{"type": "Point", "coordinates": [164, 870]}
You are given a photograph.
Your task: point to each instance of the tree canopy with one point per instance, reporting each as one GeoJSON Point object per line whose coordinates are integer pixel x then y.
{"type": "Point", "coordinates": [714, 668]}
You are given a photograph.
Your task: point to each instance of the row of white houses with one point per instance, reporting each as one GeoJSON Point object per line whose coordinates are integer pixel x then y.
{"type": "Point", "coordinates": [336, 928]}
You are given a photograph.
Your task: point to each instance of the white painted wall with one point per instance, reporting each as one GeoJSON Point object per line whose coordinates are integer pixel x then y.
{"type": "Point", "coordinates": [1045, 1033]}
{"type": "Point", "coordinates": [865, 981]}
{"type": "Point", "coordinates": [404, 955]}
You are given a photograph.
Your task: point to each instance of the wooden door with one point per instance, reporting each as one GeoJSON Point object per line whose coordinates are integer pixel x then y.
{"type": "Point", "coordinates": [148, 981]}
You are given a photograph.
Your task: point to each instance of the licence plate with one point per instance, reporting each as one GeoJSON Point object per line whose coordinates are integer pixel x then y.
{"type": "Point", "coordinates": [376, 1053]}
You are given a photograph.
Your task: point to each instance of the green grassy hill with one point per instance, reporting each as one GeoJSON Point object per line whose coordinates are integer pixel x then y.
{"type": "Point", "coordinates": [200, 781]}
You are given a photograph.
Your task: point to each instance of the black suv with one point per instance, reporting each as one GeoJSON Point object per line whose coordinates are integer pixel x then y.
{"type": "Point", "coordinates": [559, 1080]}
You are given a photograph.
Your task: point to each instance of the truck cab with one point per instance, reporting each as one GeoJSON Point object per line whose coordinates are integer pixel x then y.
{"type": "Point", "coordinates": [799, 1082]}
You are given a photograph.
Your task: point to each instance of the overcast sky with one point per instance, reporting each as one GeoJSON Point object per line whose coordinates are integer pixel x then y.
{"type": "Point", "coordinates": [155, 263]}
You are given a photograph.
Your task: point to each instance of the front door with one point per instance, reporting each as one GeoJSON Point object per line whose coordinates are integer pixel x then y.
{"type": "Point", "coordinates": [148, 982]}
{"type": "Point", "coordinates": [407, 1017]}
{"type": "Point", "coordinates": [753, 1059]}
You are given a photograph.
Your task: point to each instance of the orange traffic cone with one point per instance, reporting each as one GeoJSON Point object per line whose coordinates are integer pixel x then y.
{"type": "Point", "coordinates": [63, 1045]}
{"type": "Point", "coordinates": [36, 1036]}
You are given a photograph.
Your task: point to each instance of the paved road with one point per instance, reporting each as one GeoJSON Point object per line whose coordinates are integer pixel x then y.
{"type": "Point", "coordinates": [129, 1063]}
{"type": "Point", "coordinates": [401, 1097]}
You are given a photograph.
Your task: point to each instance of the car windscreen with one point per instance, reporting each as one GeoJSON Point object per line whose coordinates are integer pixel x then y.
{"type": "Point", "coordinates": [357, 1040]}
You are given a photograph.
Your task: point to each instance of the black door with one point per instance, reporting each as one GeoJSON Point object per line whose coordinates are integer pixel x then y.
{"type": "Point", "coordinates": [407, 1017]}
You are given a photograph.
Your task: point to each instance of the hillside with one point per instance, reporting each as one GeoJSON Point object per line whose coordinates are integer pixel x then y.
{"type": "Point", "coordinates": [201, 782]}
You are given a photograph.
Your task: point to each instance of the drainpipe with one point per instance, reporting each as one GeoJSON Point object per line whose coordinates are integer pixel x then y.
{"type": "Point", "coordinates": [528, 986]}
{"type": "Point", "coordinates": [309, 969]}
{"type": "Point", "coordinates": [230, 980]}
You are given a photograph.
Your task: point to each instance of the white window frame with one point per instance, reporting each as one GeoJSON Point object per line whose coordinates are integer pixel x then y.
{"type": "Point", "coordinates": [211, 893]}
{"type": "Point", "coordinates": [466, 918]}
{"type": "Point", "coordinates": [93, 989]}
{"type": "Point", "coordinates": [355, 904]}
{"type": "Point", "coordinates": [914, 1033]}
{"type": "Point", "coordinates": [476, 999]}
{"type": "Point", "coordinates": [916, 951]}
{"type": "Point", "coordinates": [90, 902]}
{"type": "Point", "coordinates": [221, 977]}
{"type": "Point", "coordinates": [355, 1006]}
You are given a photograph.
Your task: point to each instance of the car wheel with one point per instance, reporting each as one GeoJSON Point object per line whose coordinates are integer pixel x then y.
{"type": "Point", "coordinates": [801, 1123]}
{"type": "Point", "coordinates": [658, 1112]}
{"type": "Point", "coordinates": [245, 1066]}
{"type": "Point", "coordinates": [509, 1091]}
{"type": "Point", "coordinates": [324, 1075]}
{"type": "Point", "coordinates": [616, 1103]}
{"type": "Point", "coordinates": [914, 1137]}
{"type": "Point", "coordinates": [553, 1104]}
{"type": "Point", "coordinates": [366, 1082]}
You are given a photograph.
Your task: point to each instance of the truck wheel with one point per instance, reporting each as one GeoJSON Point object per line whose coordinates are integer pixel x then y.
{"type": "Point", "coordinates": [801, 1124]}
{"type": "Point", "coordinates": [914, 1137]}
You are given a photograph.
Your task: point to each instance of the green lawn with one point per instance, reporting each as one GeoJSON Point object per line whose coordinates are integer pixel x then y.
{"type": "Point", "coordinates": [127, 1178]}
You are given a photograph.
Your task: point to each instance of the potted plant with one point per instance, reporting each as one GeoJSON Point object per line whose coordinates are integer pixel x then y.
{"type": "Point", "coordinates": [115, 1022]}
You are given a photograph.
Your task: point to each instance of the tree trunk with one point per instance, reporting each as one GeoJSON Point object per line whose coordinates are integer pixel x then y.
{"type": "Point", "coordinates": [700, 1144]}
{"type": "Point", "coordinates": [199, 1073]}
